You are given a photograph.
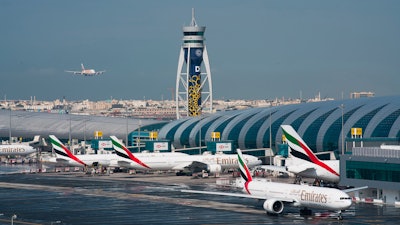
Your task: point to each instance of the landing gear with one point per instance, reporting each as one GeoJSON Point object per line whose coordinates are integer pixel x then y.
{"type": "Point", "coordinates": [317, 182]}
{"type": "Point", "coordinates": [297, 180]}
{"type": "Point", "coordinates": [340, 217]}
{"type": "Point", "coordinates": [305, 212]}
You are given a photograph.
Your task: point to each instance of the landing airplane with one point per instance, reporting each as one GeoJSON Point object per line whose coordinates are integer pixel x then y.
{"type": "Point", "coordinates": [180, 161]}
{"type": "Point", "coordinates": [86, 72]}
{"type": "Point", "coordinates": [277, 195]}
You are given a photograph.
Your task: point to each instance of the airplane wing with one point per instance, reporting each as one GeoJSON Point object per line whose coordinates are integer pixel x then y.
{"type": "Point", "coordinates": [273, 168]}
{"type": "Point", "coordinates": [122, 163]}
{"type": "Point", "coordinates": [223, 194]}
{"type": "Point", "coordinates": [194, 167]}
{"type": "Point", "coordinates": [74, 72]}
{"type": "Point", "coordinates": [287, 169]}
{"type": "Point", "coordinates": [100, 72]}
{"type": "Point", "coordinates": [300, 169]}
{"type": "Point", "coordinates": [240, 195]}
{"type": "Point", "coordinates": [354, 189]}
{"type": "Point", "coordinates": [182, 166]}
{"type": "Point", "coordinates": [62, 161]}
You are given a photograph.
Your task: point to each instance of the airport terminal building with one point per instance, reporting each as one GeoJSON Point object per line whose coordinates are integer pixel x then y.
{"type": "Point", "coordinates": [324, 126]}
{"type": "Point", "coordinates": [375, 167]}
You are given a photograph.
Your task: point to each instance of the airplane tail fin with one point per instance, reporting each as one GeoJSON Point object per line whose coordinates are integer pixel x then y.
{"type": "Point", "coordinates": [36, 138]}
{"type": "Point", "coordinates": [124, 152]}
{"type": "Point", "coordinates": [61, 150]}
{"type": "Point", "coordinates": [83, 68]}
{"type": "Point", "coordinates": [300, 150]}
{"type": "Point", "coordinates": [244, 170]}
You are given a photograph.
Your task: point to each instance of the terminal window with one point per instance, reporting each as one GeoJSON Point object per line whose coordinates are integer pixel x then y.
{"type": "Point", "coordinates": [373, 171]}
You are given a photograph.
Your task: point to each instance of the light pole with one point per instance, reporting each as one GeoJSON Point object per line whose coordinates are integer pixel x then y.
{"type": "Point", "coordinates": [200, 137]}
{"type": "Point", "coordinates": [140, 124]}
{"type": "Point", "coordinates": [13, 218]}
{"type": "Point", "coordinates": [9, 131]}
{"type": "Point", "coordinates": [270, 137]}
{"type": "Point", "coordinates": [342, 108]}
{"type": "Point", "coordinates": [127, 125]}
{"type": "Point", "coordinates": [70, 124]}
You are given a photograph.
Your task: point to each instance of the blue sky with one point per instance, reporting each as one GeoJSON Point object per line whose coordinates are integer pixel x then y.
{"type": "Point", "coordinates": [257, 49]}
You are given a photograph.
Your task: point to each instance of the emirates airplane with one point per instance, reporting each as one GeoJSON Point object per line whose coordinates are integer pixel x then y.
{"type": "Point", "coordinates": [16, 149]}
{"type": "Point", "coordinates": [143, 161]}
{"type": "Point", "coordinates": [179, 161]}
{"type": "Point", "coordinates": [277, 195]}
{"type": "Point", "coordinates": [66, 157]}
{"type": "Point", "coordinates": [303, 162]}
{"type": "Point", "coordinates": [86, 72]}
{"type": "Point", "coordinates": [23, 148]}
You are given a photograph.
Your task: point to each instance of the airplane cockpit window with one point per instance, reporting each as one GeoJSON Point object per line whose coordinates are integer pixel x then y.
{"type": "Point", "coordinates": [343, 198]}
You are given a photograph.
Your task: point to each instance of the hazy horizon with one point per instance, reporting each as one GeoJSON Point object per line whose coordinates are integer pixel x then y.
{"type": "Point", "coordinates": [257, 49]}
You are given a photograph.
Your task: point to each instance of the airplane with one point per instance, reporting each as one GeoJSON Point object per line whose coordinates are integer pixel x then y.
{"type": "Point", "coordinates": [16, 149]}
{"type": "Point", "coordinates": [86, 72]}
{"type": "Point", "coordinates": [180, 161]}
{"type": "Point", "coordinates": [23, 148]}
{"type": "Point", "coordinates": [66, 157]}
{"type": "Point", "coordinates": [141, 161]}
{"type": "Point", "coordinates": [303, 162]}
{"type": "Point", "coordinates": [277, 195]}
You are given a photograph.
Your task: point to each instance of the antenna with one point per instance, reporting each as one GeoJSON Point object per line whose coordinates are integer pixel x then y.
{"type": "Point", "coordinates": [193, 23]}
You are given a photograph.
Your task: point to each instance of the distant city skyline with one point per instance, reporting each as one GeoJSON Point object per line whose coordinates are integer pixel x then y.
{"type": "Point", "coordinates": [257, 49]}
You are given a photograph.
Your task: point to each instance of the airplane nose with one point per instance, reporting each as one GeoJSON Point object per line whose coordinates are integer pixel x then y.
{"type": "Point", "coordinates": [347, 203]}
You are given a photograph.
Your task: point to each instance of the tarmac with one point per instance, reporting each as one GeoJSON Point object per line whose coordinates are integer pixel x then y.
{"type": "Point", "coordinates": [123, 198]}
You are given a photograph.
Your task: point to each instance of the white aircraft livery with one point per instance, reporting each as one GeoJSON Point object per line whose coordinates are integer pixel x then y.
{"type": "Point", "coordinates": [144, 161]}
{"type": "Point", "coordinates": [86, 72]}
{"type": "Point", "coordinates": [179, 161]}
{"type": "Point", "coordinates": [66, 157]}
{"type": "Point", "coordinates": [304, 162]}
{"type": "Point", "coordinates": [276, 195]}
{"type": "Point", "coordinates": [16, 149]}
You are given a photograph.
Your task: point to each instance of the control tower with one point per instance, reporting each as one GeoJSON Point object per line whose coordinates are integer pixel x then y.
{"type": "Point", "coordinates": [193, 87]}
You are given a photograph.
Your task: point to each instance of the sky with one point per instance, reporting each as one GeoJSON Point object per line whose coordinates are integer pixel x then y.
{"type": "Point", "coordinates": [257, 49]}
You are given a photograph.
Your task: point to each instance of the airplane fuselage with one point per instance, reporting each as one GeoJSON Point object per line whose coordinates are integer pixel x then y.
{"type": "Point", "coordinates": [91, 71]}
{"type": "Point", "coordinates": [86, 72]}
{"type": "Point", "coordinates": [302, 168]}
{"type": "Point", "coordinates": [16, 149]}
{"type": "Point", "coordinates": [86, 160]}
{"type": "Point", "coordinates": [301, 195]}
{"type": "Point", "coordinates": [177, 161]}
{"type": "Point", "coordinates": [156, 161]}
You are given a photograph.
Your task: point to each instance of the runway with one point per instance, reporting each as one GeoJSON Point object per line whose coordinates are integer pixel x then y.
{"type": "Point", "coordinates": [148, 199]}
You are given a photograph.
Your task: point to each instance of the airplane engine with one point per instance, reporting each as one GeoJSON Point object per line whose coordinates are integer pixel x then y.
{"type": "Point", "coordinates": [273, 206]}
{"type": "Point", "coordinates": [101, 163]}
{"type": "Point", "coordinates": [214, 168]}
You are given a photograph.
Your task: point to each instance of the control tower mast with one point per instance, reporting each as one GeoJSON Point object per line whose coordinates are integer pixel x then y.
{"type": "Point", "coordinates": [193, 87]}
